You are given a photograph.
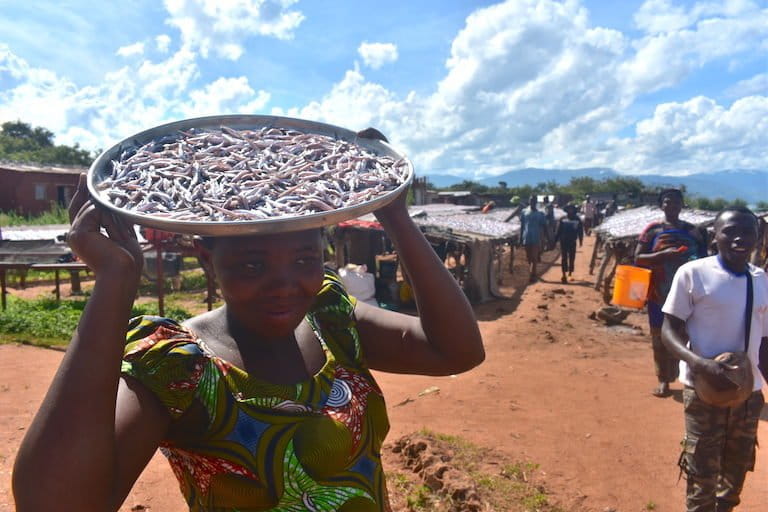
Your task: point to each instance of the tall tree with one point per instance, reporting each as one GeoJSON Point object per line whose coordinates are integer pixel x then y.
{"type": "Point", "coordinates": [21, 142]}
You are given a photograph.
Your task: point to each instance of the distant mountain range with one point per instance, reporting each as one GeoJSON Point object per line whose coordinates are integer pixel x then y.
{"type": "Point", "coordinates": [749, 185]}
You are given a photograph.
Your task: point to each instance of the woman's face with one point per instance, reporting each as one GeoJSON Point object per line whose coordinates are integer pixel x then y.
{"type": "Point", "coordinates": [269, 282]}
{"type": "Point", "coordinates": [671, 205]}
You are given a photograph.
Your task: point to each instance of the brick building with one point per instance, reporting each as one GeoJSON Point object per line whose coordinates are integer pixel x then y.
{"type": "Point", "coordinates": [30, 189]}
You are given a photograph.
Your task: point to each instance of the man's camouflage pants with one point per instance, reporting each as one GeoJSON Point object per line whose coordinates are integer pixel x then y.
{"type": "Point", "coordinates": [718, 450]}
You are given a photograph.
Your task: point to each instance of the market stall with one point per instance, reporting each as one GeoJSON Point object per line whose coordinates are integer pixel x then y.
{"type": "Point", "coordinates": [470, 242]}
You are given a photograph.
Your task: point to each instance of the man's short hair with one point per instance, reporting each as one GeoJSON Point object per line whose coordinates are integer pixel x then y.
{"type": "Point", "coordinates": [743, 210]}
{"type": "Point", "coordinates": [670, 192]}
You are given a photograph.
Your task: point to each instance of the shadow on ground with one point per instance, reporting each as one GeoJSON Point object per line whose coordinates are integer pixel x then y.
{"type": "Point", "coordinates": [514, 283]}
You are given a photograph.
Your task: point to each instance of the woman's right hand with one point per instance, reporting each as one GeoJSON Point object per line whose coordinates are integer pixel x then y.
{"type": "Point", "coordinates": [670, 254]}
{"type": "Point", "coordinates": [118, 254]}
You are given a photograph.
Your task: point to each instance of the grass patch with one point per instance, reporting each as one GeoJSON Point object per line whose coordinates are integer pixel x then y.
{"type": "Point", "coordinates": [503, 485]}
{"type": "Point", "coordinates": [194, 280]}
{"type": "Point", "coordinates": [57, 214]}
{"type": "Point", "coordinates": [38, 277]}
{"type": "Point", "coordinates": [191, 280]}
{"type": "Point", "coordinates": [46, 322]}
{"type": "Point", "coordinates": [189, 263]}
{"type": "Point", "coordinates": [416, 496]}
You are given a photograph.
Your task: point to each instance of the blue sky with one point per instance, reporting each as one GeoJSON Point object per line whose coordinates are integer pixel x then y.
{"type": "Point", "coordinates": [466, 88]}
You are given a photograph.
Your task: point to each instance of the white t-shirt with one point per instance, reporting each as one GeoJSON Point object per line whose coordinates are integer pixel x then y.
{"type": "Point", "coordinates": [712, 301]}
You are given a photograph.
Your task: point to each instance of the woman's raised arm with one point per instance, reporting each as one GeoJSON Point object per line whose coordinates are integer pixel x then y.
{"type": "Point", "coordinates": [445, 338]}
{"type": "Point", "coordinates": [87, 442]}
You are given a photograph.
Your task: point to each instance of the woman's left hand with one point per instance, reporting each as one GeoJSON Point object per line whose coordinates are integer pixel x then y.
{"type": "Point", "coordinates": [395, 211]}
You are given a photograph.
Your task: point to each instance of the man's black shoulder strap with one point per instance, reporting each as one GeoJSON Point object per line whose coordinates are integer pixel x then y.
{"type": "Point", "coordinates": [748, 311]}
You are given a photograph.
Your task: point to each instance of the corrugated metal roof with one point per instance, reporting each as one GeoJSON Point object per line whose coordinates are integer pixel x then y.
{"type": "Point", "coordinates": [455, 193]}
{"type": "Point", "coordinates": [51, 169]}
{"type": "Point", "coordinates": [49, 232]}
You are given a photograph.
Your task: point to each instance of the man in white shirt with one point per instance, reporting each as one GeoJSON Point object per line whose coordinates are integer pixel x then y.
{"type": "Point", "coordinates": [705, 315]}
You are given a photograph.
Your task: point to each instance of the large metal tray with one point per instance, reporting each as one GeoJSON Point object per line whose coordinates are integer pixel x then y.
{"type": "Point", "coordinates": [101, 169]}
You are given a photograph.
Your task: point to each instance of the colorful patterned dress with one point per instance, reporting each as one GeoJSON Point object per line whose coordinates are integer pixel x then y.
{"type": "Point", "coordinates": [659, 237]}
{"type": "Point", "coordinates": [257, 446]}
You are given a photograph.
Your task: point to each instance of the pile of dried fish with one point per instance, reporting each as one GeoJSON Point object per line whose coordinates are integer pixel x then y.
{"type": "Point", "coordinates": [470, 223]}
{"type": "Point", "coordinates": [233, 175]}
{"type": "Point", "coordinates": [630, 223]}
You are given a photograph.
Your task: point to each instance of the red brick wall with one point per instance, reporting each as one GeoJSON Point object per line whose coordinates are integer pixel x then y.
{"type": "Point", "coordinates": [18, 189]}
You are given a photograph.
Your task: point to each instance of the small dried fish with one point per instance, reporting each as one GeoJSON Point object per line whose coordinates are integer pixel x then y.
{"type": "Point", "coordinates": [231, 175]}
{"type": "Point", "coordinates": [630, 223]}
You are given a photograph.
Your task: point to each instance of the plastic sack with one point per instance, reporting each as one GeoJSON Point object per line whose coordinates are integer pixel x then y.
{"type": "Point", "coordinates": [359, 283]}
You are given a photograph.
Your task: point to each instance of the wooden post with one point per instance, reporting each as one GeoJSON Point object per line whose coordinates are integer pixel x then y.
{"type": "Point", "coordinates": [160, 280]}
{"type": "Point", "coordinates": [595, 249]}
{"type": "Point", "coordinates": [607, 256]}
{"type": "Point", "coordinates": [607, 289]}
{"type": "Point", "coordinates": [211, 289]}
{"type": "Point", "coordinates": [74, 280]}
{"type": "Point", "coordinates": [2, 283]}
{"type": "Point", "coordinates": [58, 291]}
{"type": "Point", "coordinates": [499, 263]}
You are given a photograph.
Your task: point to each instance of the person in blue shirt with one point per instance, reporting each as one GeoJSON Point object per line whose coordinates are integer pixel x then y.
{"type": "Point", "coordinates": [663, 247]}
{"type": "Point", "coordinates": [532, 226]}
{"type": "Point", "coordinates": [569, 229]}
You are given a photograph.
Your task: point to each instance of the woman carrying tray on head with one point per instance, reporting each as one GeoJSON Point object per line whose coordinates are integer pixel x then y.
{"type": "Point", "coordinates": [663, 247]}
{"type": "Point", "coordinates": [266, 403]}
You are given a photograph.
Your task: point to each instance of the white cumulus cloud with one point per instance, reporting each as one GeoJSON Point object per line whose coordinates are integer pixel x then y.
{"type": "Point", "coordinates": [532, 83]}
{"type": "Point", "coordinates": [697, 135]}
{"type": "Point", "coordinates": [757, 85]}
{"type": "Point", "coordinates": [225, 96]}
{"type": "Point", "coordinates": [679, 41]}
{"type": "Point", "coordinates": [222, 28]}
{"type": "Point", "coordinates": [128, 100]}
{"type": "Point", "coordinates": [131, 50]}
{"type": "Point", "coordinates": [163, 42]}
{"type": "Point", "coordinates": [526, 83]}
{"type": "Point", "coordinates": [375, 55]}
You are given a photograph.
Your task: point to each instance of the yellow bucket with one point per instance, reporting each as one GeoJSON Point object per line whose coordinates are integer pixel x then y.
{"type": "Point", "coordinates": [631, 286]}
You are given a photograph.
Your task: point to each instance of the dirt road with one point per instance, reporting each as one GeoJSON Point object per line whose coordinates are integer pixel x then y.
{"type": "Point", "coordinates": [557, 389]}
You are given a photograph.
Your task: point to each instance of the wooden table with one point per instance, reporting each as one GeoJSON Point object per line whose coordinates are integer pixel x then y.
{"type": "Point", "coordinates": [56, 267]}
{"type": "Point", "coordinates": [73, 268]}
{"type": "Point", "coordinates": [4, 267]}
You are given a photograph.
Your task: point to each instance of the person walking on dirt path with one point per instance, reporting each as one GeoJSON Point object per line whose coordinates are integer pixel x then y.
{"type": "Point", "coordinates": [532, 226]}
{"type": "Point", "coordinates": [590, 214]}
{"type": "Point", "coordinates": [707, 313]}
{"type": "Point", "coordinates": [569, 229]}
{"type": "Point", "coordinates": [663, 247]}
{"type": "Point", "coordinates": [266, 403]}
{"type": "Point", "coordinates": [549, 212]}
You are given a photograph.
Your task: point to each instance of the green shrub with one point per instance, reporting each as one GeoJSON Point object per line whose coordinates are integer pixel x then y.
{"type": "Point", "coordinates": [57, 214]}
{"type": "Point", "coordinates": [194, 280]}
{"type": "Point", "coordinates": [47, 319]}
